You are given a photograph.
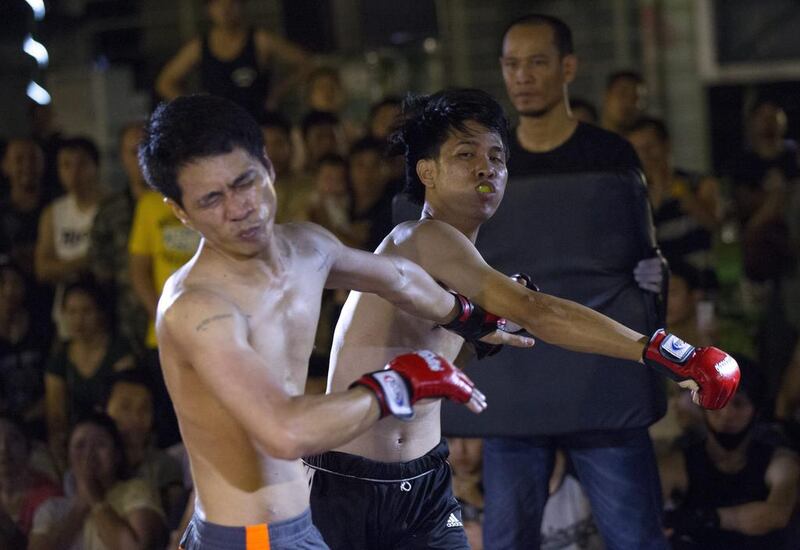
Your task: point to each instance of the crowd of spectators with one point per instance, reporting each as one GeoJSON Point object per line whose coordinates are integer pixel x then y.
{"type": "Point", "coordinates": [89, 447]}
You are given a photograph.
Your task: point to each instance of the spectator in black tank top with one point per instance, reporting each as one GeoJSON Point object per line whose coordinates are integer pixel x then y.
{"type": "Point", "coordinates": [731, 489]}
{"type": "Point", "coordinates": [234, 61]}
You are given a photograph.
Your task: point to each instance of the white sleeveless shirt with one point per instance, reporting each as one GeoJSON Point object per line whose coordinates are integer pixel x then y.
{"type": "Point", "coordinates": [71, 228]}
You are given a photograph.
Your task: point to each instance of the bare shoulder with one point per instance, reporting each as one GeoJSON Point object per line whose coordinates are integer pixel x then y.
{"type": "Point", "coordinates": [303, 235]}
{"type": "Point", "coordinates": [187, 310]}
{"type": "Point", "coordinates": [412, 232]}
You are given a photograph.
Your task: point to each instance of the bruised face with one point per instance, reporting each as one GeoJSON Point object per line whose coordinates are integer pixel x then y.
{"type": "Point", "coordinates": [534, 71]}
{"type": "Point", "coordinates": [230, 200]}
{"type": "Point", "coordinates": [468, 178]}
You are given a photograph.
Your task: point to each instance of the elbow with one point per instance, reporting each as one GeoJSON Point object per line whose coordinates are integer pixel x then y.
{"type": "Point", "coordinates": [284, 444]}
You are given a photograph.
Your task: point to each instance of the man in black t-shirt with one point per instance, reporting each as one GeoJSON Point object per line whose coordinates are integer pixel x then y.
{"type": "Point", "coordinates": [611, 450]}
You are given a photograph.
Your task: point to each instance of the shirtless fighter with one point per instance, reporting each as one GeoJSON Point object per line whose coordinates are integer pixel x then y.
{"type": "Point", "coordinates": [389, 488]}
{"type": "Point", "coordinates": [236, 326]}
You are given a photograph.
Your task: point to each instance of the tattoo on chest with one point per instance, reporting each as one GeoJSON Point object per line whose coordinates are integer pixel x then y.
{"type": "Point", "coordinates": [203, 325]}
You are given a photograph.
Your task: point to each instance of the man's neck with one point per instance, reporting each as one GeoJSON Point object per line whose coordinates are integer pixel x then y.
{"type": "Point", "coordinates": [24, 201]}
{"type": "Point", "coordinates": [268, 266]}
{"type": "Point", "coordinates": [431, 212]}
{"type": "Point", "coordinates": [725, 460]}
{"type": "Point", "coordinates": [544, 133]}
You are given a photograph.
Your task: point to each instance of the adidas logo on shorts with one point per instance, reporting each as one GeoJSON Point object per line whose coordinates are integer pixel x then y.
{"type": "Point", "coordinates": [453, 521]}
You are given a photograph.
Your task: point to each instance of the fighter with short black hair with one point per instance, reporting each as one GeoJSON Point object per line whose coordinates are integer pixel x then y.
{"type": "Point", "coordinates": [390, 486]}
{"type": "Point", "coordinates": [236, 327]}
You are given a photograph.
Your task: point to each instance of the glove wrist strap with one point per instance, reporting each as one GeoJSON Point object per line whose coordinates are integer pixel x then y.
{"type": "Point", "coordinates": [394, 395]}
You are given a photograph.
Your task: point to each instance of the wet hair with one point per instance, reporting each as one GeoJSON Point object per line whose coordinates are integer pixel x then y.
{"type": "Point", "coordinates": [561, 31]}
{"type": "Point", "coordinates": [428, 121]}
{"type": "Point", "coordinates": [190, 128]}
{"type": "Point", "coordinates": [318, 118]}
{"type": "Point", "coordinates": [650, 123]}
{"type": "Point", "coordinates": [274, 119]}
{"type": "Point", "coordinates": [81, 143]}
{"type": "Point", "coordinates": [616, 76]}
{"type": "Point", "coordinates": [105, 422]}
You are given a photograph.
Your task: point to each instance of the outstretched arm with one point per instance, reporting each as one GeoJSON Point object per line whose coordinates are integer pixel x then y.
{"type": "Point", "coordinates": [398, 280]}
{"type": "Point", "coordinates": [451, 258]}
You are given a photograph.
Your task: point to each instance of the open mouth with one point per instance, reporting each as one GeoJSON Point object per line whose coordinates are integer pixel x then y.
{"type": "Point", "coordinates": [485, 189]}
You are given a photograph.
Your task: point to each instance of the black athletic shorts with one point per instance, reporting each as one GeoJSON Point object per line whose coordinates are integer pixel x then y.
{"type": "Point", "coordinates": [358, 503]}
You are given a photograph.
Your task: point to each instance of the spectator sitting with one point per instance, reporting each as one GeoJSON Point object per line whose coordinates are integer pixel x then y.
{"type": "Point", "coordinates": [22, 489]}
{"type": "Point", "coordinates": [79, 374]}
{"type": "Point", "coordinates": [730, 489]}
{"type": "Point", "coordinates": [321, 136]}
{"type": "Point", "coordinates": [291, 188]}
{"type": "Point", "coordinates": [686, 206]}
{"type": "Point", "coordinates": [23, 166]}
{"type": "Point", "coordinates": [465, 461]}
{"type": "Point", "coordinates": [763, 177]}
{"type": "Point", "coordinates": [326, 94]}
{"type": "Point", "coordinates": [372, 196]}
{"type": "Point", "coordinates": [383, 117]}
{"type": "Point", "coordinates": [382, 121]}
{"type": "Point", "coordinates": [624, 102]}
{"type": "Point", "coordinates": [235, 61]}
{"type": "Point", "coordinates": [130, 405]}
{"type": "Point", "coordinates": [24, 347]}
{"type": "Point", "coordinates": [108, 241]}
{"type": "Point", "coordinates": [62, 247]}
{"type": "Point", "coordinates": [331, 204]}
{"type": "Point", "coordinates": [107, 512]}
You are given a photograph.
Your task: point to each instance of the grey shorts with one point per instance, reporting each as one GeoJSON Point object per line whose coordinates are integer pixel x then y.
{"type": "Point", "coordinates": [296, 533]}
